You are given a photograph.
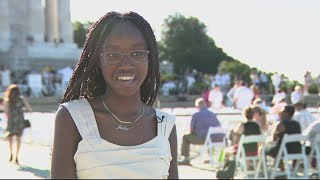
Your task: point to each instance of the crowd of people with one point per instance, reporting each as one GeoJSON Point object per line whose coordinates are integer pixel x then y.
{"type": "Point", "coordinates": [47, 82]}
{"type": "Point", "coordinates": [291, 119]}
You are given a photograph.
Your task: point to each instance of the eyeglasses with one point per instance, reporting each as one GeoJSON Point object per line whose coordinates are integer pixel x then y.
{"type": "Point", "coordinates": [136, 56]}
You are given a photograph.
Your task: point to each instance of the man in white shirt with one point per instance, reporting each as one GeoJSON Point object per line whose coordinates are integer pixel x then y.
{"type": "Point", "coordinates": [296, 95]}
{"type": "Point", "coordinates": [276, 80]}
{"type": "Point", "coordinates": [216, 98]}
{"type": "Point", "coordinates": [243, 96]}
{"type": "Point", "coordinates": [190, 80]}
{"type": "Point", "coordinates": [279, 96]}
{"type": "Point", "coordinates": [34, 80]}
{"type": "Point", "coordinates": [230, 95]}
{"type": "Point", "coordinates": [65, 74]}
{"type": "Point", "coordinates": [302, 116]}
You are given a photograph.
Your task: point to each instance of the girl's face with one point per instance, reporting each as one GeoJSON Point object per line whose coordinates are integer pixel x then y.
{"type": "Point", "coordinates": [124, 60]}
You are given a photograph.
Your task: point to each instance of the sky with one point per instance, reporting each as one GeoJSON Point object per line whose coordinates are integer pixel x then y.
{"type": "Point", "coordinates": [274, 36]}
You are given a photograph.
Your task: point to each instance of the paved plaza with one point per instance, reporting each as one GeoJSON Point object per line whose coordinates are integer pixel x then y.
{"type": "Point", "coordinates": [37, 141]}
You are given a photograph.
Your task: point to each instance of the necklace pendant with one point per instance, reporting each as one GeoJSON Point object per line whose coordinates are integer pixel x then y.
{"type": "Point", "coordinates": [121, 127]}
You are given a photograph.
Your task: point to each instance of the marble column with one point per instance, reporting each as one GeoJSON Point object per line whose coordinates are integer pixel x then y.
{"type": "Point", "coordinates": [51, 21]}
{"type": "Point", "coordinates": [64, 21]}
{"type": "Point", "coordinates": [36, 20]}
{"type": "Point", "coordinates": [4, 25]}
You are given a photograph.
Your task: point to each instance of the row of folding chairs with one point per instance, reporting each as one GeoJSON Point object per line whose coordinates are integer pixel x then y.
{"type": "Point", "coordinates": [291, 170]}
{"type": "Point", "coordinates": [259, 161]}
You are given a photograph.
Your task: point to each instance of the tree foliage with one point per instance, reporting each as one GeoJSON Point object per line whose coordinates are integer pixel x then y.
{"type": "Point", "coordinates": [186, 44]}
{"type": "Point", "coordinates": [79, 32]}
{"type": "Point", "coordinates": [237, 70]}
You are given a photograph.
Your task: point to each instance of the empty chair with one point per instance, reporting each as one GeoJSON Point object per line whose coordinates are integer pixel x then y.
{"type": "Point", "coordinates": [217, 144]}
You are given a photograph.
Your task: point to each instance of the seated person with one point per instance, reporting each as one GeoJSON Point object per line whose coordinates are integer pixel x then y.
{"type": "Point", "coordinates": [285, 125]}
{"type": "Point", "coordinates": [249, 127]}
{"type": "Point", "coordinates": [260, 117]}
{"type": "Point", "coordinates": [302, 116]}
{"type": "Point", "coordinates": [200, 123]}
{"type": "Point", "coordinates": [311, 131]}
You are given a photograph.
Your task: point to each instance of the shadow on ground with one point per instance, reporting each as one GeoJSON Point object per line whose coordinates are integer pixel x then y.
{"type": "Point", "coordinates": [37, 172]}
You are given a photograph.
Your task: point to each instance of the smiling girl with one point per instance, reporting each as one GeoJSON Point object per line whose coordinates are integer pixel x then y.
{"type": "Point", "coordinates": [106, 126]}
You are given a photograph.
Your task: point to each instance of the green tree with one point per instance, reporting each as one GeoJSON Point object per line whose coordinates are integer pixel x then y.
{"type": "Point", "coordinates": [236, 69]}
{"type": "Point", "coordinates": [79, 32]}
{"type": "Point", "coordinates": [185, 43]}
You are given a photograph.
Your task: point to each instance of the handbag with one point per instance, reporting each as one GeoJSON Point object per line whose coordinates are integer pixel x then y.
{"type": "Point", "coordinates": [27, 123]}
{"type": "Point", "coordinates": [228, 170]}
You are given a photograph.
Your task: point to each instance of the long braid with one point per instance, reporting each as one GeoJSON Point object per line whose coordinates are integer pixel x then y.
{"type": "Point", "coordinates": [87, 80]}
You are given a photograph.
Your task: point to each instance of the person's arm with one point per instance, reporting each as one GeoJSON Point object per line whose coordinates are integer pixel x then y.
{"type": "Point", "coordinates": [192, 125]}
{"type": "Point", "coordinates": [66, 139]}
{"type": "Point", "coordinates": [26, 104]}
{"type": "Point", "coordinates": [173, 170]}
{"type": "Point", "coordinates": [279, 129]}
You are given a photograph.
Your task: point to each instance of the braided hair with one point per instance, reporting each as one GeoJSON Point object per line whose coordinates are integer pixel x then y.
{"type": "Point", "coordinates": [87, 80]}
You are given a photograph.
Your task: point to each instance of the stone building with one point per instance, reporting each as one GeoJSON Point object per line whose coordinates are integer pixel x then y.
{"type": "Point", "coordinates": [35, 33]}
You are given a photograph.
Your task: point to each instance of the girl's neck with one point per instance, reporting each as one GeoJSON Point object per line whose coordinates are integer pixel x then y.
{"type": "Point", "coordinates": [120, 104]}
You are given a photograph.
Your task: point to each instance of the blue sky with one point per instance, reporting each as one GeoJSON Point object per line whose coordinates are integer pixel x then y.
{"type": "Point", "coordinates": [273, 35]}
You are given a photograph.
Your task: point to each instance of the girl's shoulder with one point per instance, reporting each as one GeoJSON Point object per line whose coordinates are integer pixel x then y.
{"type": "Point", "coordinates": [162, 114]}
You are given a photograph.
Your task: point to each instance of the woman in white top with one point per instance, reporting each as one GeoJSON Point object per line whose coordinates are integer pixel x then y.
{"type": "Point", "coordinates": [106, 126]}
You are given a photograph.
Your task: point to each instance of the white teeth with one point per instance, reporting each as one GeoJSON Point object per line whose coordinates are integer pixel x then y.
{"type": "Point", "coordinates": [126, 78]}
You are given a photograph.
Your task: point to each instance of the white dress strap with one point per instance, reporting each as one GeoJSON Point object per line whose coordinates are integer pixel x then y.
{"type": "Point", "coordinates": [165, 123]}
{"type": "Point", "coordinates": [83, 116]}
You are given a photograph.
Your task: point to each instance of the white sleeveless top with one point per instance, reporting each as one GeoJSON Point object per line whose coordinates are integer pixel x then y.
{"type": "Point", "coordinates": [98, 158]}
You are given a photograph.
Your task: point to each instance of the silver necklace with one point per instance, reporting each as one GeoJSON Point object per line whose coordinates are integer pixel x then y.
{"type": "Point", "coordinates": [123, 127]}
{"type": "Point", "coordinates": [123, 122]}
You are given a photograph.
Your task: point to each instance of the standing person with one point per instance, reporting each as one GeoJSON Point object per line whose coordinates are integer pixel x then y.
{"type": "Point", "coordinates": [296, 95]}
{"type": "Point", "coordinates": [5, 76]}
{"type": "Point", "coordinates": [281, 94]}
{"type": "Point", "coordinates": [205, 95]}
{"type": "Point", "coordinates": [65, 74]}
{"type": "Point", "coordinates": [13, 108]}
{"type": "Point", "coordinates": [106, 126]}
{"type": "Point", "coordinates": [230, 95]}
{"type": "Point", "coordinates": [242, 96]}
{"type": "Point", "coordinates": [263, 82]}
{"type": "Point", "coordinates": [215, 97]}
{"type": "Point", "coordinates": [307, 82]}
{"type": "Point", "coordinates": [276, 80]}
{"type": "Point", "coordinates": [200, 123]}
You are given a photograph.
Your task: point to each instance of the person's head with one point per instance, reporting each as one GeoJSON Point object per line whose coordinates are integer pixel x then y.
{"type": "Point", "coordinates": [215, 87]}
{"type": "Point", "coordinates": [248, 113]}
{"type": "Point", "coordinates": [12, 93]}
{"type": "Point", "coordinates": [119, 56]}
{"type": "Point", "coordinates": [286, 112]}
{"type": "Point", "coordinates": [300, 105]}
{"type": "Point", "coordinates": [200, 103]}
{"type": "Point", "coordinates": [260, 116]}
{"type": "Point", "coordinates": [298, 88]}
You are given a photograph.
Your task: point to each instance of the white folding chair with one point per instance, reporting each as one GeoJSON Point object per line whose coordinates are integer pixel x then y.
{"type": "Point", "coordinates": [217, 145]}
{"type": "Point", "coordinates": [315, 153]}
{"type": "Point", "coordinates": [286, 157]}
{"type": "Point", "coordinates": [258, 160]}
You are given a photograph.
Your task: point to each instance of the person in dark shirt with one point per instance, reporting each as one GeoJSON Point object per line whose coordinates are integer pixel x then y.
{"type": "Point", "coordinates": [285, 126]}
{"type": "Point", "coordinates": [247, 128]}
{"type": "Point", "coordinates": [200, 123]}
